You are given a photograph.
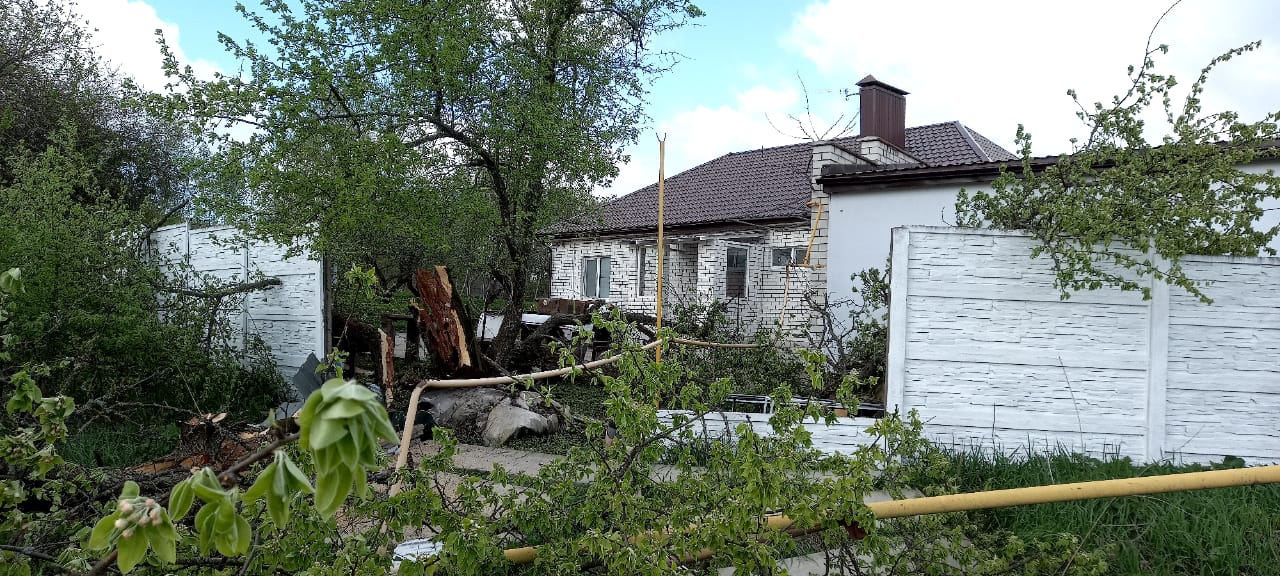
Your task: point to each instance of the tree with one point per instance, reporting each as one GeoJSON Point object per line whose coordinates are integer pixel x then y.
{"type": "Point", "coordinates": [427, 106]}
{"type": "Point", "coordinates": [1120, 208]}
{"type": "Point", "coordinates": [54, 80]}
{"type": "Point", "coordinates": [86, 175]}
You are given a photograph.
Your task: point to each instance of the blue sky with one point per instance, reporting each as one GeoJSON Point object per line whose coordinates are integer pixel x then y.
{"type": "Point", "coordinates": [990, 64]}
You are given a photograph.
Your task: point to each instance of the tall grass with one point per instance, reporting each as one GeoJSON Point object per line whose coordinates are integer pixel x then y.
{"type": "Point", "coordinates": [120, 445]}
{"type": "Point", "coordinates": [1223, 531]}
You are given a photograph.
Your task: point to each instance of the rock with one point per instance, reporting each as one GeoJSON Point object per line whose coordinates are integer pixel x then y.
{"type": "Point", "coordinates": [462, 406]}
{"type": "Point", "coordinates": [507, 420]}
{"type": "Point", "coordinates": [489, 412]}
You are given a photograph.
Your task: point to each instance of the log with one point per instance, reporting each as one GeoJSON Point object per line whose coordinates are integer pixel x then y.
{"type": "Point", "coordinates": [444, 323]}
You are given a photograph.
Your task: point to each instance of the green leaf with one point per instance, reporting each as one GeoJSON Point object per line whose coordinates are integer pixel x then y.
{"type": "Point", "coordinates": [224, 518]}
{"type": "Point", "coordinates": [325, 432]}
{"type": "Point", "coordinates": [278, 507]}
{"type": "Point", "coordinates": [361, 487]}
{"type": "Point", "coordinates": [306, 418]}
{"type": "Point", "coordinates": [164, 540]}
{"type": "Point", "coordinates": [343, 408]}
{"type": "Point", "coordinates": [244, 535]}
{"type": "Point", "coordinates": [25, 396]}
{"type": "Point", "coordinates": [346, 448]}
{"type": "Point", "coordinates": [130, 490]}
{"type": "Point", "coordinates": [298, 480]}
{"type": "Point", "coordinates": [382, 422]}
{"type": "Point", "coordinates": [262, 485]}
{"type": "Point", "coordinates": [205, 526]}
{"type": "Point", "coordinates": [331, 490]}
{"type": "Point", "coordinates": [280, 480]}
{"type": "Point", "coordinates": [131, 551]}
{"type": "Point", "coordinates": [180, 499]}
{"type": "Point", "coordinates": [99, 539]}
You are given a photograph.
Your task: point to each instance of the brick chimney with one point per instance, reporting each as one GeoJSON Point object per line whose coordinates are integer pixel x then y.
{"type": "Point", "coordinates": [882, 111]}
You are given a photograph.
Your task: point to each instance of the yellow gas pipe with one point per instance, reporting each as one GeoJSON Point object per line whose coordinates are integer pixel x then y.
{"type": "Point", "coordinates": [1016, 497]}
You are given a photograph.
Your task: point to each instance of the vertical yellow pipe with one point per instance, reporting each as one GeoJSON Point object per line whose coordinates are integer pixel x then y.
{"type": "Point", "coordinates": [662, 159]}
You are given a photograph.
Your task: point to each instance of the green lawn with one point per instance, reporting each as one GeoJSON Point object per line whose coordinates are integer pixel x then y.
{"type": "Point", "coordinates": [1223, 531]}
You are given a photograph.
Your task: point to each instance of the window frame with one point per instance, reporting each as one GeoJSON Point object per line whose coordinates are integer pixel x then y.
{"type": "Point", "coordinates": [592, 264]}
{"type": "Point", "coordinates": [642, 259]}
{"type": "Point", "coordinates": [746, 269]}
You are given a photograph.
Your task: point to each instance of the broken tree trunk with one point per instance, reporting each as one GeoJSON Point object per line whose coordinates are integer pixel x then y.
{"type": "Point", "coordinates": [444, 323]}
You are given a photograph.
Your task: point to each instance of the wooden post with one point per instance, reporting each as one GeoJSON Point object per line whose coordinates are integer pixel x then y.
{"type": "Point", "coordinates": [662, 248]}
{"type": "Point", "coordinates": [386, 358]}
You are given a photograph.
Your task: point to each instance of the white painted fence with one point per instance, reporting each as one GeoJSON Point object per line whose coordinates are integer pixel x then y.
{"type": "Point", "coordinates": [982, 346]}
{"type": "Point", "coordinates": [289, 317]}
{"type": "Point", "coordinates": [842, 437]}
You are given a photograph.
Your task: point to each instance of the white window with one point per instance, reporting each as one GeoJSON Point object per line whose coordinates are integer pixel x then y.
{"type": "Point", "coordinates": [735, 272]}
{"type": "Point", "coordinates": [595, 277]}
{"type": "Point", "coordinates": [789, 255]}
{"type": "Point", "coordinates": [647, 263]}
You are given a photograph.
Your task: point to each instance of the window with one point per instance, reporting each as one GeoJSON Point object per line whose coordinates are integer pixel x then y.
{"type": "Point", "coordinates": [735, 272]}
{"type": "Point", "coordinates": [647, 257]}
{"type": "Point", "coordinates": [789, 255]}
{"type": "Point", "coordinates": [595, 277]}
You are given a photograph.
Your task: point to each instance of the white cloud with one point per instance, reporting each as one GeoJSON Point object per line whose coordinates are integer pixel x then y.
{"type": "Point", "coordinates": [759, 117]}
{"type": "Point", "coordinates": [995, 64]}
{"type": "Point", "coordinates": [125, 36]}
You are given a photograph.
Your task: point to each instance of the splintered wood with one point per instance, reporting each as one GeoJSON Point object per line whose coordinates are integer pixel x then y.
{"type": "Point", "coordinates": [442, 319]}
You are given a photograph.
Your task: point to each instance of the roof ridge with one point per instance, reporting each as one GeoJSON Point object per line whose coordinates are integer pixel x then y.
{"type": "Point", "coordinates": [973, 142]}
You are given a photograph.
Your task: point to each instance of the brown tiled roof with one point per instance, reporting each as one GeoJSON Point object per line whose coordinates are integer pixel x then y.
{"type": "Point", "coordinates": [765, 184]}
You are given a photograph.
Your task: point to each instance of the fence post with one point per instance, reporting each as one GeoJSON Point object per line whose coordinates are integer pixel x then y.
{"type": "Point", "coordinates": [896, 370]}
{"type": "Point", "coordinates": [1157, 364]}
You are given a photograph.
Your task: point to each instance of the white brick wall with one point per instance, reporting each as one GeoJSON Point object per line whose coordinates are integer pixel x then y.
{"type": "Point", "coordinates": [695, 272]}
{"type": "Point", "coordinates": [983, 347]}
{"type": "Point", "coordinates": [289, 317]}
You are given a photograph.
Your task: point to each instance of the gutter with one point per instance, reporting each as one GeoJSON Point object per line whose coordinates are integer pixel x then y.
{"type": "Point", "coordinates": [830, 176]}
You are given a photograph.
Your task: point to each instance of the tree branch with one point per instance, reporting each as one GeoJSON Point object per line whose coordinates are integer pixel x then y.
{"type": "Point", "coordinates": [221, 292]}
{"type": "Point", "coordinates": [230, 477]}
{"type": "Point", "coordinates": [29, 552]}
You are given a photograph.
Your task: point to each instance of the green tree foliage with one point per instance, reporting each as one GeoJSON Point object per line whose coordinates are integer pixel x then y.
{"type": "Point", "coordinates": [53, 81]}
{"type": "Point", "coordinates": [464, 126]}
{"type": "Point", "coordinates": [1120, 208]}
{"type": "Point", "coordinates": [85, 176]}
{"type": "Point", "coordinates": [103, 320]}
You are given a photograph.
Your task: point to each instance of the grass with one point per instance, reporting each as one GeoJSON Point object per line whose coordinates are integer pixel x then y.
{"type": "Point", "coordinates": [1223, 531]}
{"type": "Point", "coordinates": [119, 446]}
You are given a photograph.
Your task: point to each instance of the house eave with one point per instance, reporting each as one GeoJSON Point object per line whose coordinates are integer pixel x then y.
{"type": "Point", "coordinates": [835, 183]}
{"type": "Point", "coordinates": [684, 229]}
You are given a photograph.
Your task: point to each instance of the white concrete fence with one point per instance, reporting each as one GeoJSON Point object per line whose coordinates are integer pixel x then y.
{"type": "Point", "coordinates": [982, 346]}
{"type": "Point", "coordinates": [289, 317]}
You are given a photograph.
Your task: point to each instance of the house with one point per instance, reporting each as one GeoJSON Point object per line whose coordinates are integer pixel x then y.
{"type": "Point", "coordinates": [752, 229]}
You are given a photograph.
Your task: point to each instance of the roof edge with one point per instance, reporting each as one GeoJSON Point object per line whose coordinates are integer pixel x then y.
{"type": "Point", "coordinates": [831, 175]}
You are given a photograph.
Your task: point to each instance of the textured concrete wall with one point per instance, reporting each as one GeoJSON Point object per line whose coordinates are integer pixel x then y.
{"type": "Point", "coordinates": [695, 273]}
{"type": "Point", "coordinates": [289, 317]}
{"type": "Point", "coordinates": [842, 437]}
{"type": "Point", "coordinates": [1223, 371]}
{"type": "Point", "coordinates": [984, 348]}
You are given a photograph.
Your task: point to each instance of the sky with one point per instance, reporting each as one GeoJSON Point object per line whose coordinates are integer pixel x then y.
{"type": "Point", "coordinates": [989, 64]}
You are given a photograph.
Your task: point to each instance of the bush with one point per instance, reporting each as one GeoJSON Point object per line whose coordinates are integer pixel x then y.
{"type": "Point", "coordinates": [103, 321]}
